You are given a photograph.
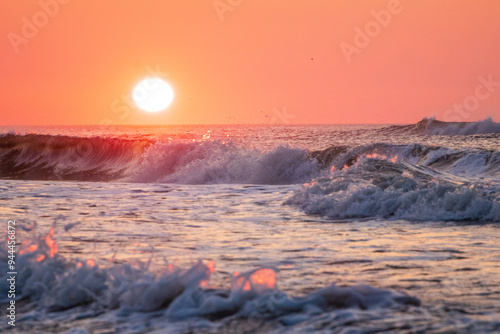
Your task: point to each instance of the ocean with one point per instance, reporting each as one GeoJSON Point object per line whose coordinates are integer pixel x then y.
{"type": "Point", "coordinates": [251, 228]}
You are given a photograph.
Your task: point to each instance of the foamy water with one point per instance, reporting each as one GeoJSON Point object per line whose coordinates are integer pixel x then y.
{"type": "Point", "coordinates": [265, 229]}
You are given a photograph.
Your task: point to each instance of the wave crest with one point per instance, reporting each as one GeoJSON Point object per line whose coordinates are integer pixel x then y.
{"type": "Point", "coordinates": [434, 127]}
{"type": "Point", "coordinates": [46, 157]}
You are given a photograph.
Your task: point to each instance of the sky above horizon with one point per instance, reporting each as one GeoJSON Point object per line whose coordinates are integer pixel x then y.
{"type": "Point", "coordinates": [234, 61]}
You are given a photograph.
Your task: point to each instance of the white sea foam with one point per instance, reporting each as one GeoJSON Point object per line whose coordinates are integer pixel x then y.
{"type": "Point", "coordinates": [52, 287]}
{"type": "Point", "coordinates": [378, 188]}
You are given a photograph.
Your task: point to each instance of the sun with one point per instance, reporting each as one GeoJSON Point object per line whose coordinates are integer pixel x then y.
{"type": "Point", "coordinates": [153, 94]}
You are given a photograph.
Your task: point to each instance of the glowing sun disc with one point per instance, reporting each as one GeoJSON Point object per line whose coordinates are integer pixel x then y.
{"type": "Point", "coordinates": [153, 95]}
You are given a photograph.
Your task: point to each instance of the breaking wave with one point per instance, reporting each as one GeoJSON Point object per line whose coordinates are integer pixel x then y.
{"type": "Point", "coordinates": [431, 126]}
{"type": "Point", "coordinates": [45, 157]}
{"type": "Point", "coordinates": [54, 291]}
{"type": "Point", "coordinates": [42, 157]}
{"type": "Point", "coordinates": [215, 162]}
{"type": "Point", "coordinates": [469, 163]}
{"type": "Point", "coordinates": [380, 187]}
{"type": "Point", "coordinates": [414, 182]}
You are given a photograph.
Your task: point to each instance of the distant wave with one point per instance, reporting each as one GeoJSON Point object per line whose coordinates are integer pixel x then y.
{"type": "Point", "coordinates": [431, 126]}
{"type": "Point", "coordinates": [434, 127]}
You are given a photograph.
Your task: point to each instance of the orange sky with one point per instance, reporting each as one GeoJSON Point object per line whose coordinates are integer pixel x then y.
{"type": "Point", "coordinates": [250, 61]}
